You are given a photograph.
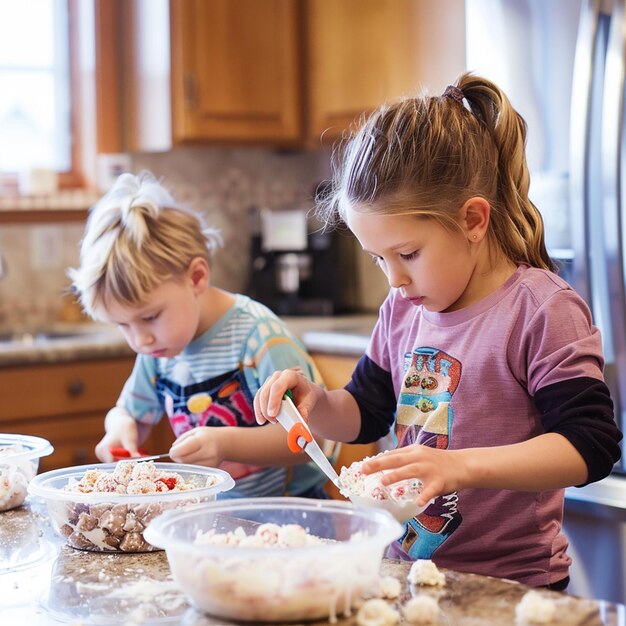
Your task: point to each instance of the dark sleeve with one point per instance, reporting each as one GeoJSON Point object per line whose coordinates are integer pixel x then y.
{"type": "Point", "coordinates": [372, 389]}
{"type": "Point", "coordinates": [581, 410]}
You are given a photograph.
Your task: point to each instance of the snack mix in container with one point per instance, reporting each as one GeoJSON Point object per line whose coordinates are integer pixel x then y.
{"type": "Point", "coordinates": [106, 507]}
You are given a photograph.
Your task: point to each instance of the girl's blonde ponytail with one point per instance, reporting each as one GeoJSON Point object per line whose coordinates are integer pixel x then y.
{"type": "Point", "coordinates": [428, 155]}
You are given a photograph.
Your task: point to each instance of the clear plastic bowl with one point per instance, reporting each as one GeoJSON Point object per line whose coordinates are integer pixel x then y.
{"type": "Point", "coordinates": [19, 462]}
{"type": "Point", "coordinates": [274, 584]}
{"type": "Point", "coordinates": [115, 522]}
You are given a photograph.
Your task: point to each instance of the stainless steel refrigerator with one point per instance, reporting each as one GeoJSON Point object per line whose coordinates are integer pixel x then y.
{"type": "Point", "coordinates": [563, 64]}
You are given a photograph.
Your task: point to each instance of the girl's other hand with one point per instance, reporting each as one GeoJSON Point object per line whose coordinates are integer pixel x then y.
{"type": "Point", "coordinates": [268, 399]}
{"type": "Point", "coordinates": [440, 471]}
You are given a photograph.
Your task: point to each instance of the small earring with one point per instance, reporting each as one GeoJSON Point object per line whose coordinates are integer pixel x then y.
{"type": "Point", "coordinates": [474, 237]}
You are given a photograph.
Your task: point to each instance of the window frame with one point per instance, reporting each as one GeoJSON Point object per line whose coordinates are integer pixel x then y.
{"type": "Point", "coordinates": [95, 62]}
{"type": "Point", "coordinates": [95, 112]}
{"type": "Point", "coordinates": [73, 177]}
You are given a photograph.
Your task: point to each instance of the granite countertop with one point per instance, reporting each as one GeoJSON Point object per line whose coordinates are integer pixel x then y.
{"type": "Point", "coordinates": [44, 581]}
{"type": "Point", "coordinates": [347, 335]}
{"type": "Point", "coordinates": [61, 342]}
{"type": "Point", "coordinates": [343, 335]}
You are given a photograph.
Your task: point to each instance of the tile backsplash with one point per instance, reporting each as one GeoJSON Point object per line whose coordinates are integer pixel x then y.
{"type": "Point", "coordinates": [221, 183]}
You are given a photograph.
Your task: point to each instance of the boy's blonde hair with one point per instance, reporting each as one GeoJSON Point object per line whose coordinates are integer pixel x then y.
{"type": "Point", "coordinates": [427, 155]}
{"type": "Point", "coordinates": [137, 236]}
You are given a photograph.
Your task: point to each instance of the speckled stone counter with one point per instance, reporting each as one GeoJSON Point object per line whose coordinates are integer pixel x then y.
{"type": "Point", "coordinates": [64, 343]}
{"type": "Point", "coordinates": [347, 335]}
{"type": "Point", "coordinates": [43, 581]}
{"type": "Point", "coordinates": [337, 335]}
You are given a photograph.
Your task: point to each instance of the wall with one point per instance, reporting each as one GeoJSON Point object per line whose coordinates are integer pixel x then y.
{"type": "Point", "coordinates": [34, 284]}
{"type": "Point", "coordinates": [221, 183]}
{"type": "Point", "coordinates": [440, 46]}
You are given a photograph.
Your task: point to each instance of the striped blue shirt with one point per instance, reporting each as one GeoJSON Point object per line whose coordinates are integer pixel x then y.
{"type": "Point", "coordinates": [213, 382]}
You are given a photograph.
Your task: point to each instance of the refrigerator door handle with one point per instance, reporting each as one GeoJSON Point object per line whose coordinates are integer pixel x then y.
{"type": "Point", "coordinates": [580, 137]}
{"type": "Point", "coordinates": [614, 207]}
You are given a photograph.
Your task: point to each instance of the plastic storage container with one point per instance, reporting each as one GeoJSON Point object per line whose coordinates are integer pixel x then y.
{"type": "Point", "coordinates": [115, 522]}
{"type": "Point", "coordinates": [19, 462]}
{"type": "Point", "coordinates": [243, 581]}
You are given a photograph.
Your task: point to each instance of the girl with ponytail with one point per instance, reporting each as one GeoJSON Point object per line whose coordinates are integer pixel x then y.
{"type": "Point", "coordinates": [484, 362]}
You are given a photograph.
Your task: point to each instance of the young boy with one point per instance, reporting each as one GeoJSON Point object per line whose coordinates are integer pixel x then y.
{"type": "Point", "coordinates": [202, 352]}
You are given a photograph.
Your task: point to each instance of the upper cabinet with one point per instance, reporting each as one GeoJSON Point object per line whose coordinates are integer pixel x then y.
{"type": "Point", "coordinates": [359, 54]}
{"type": "Point", "coordinates": [236, 67]}
{"type": "Point", "coordinates": [286, 72]}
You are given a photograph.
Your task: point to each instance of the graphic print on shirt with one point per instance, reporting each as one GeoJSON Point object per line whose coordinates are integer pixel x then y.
{"type": "Point", "coordinates": [424, 416]}
{"type": "Point", "coordinates": [221, 401]}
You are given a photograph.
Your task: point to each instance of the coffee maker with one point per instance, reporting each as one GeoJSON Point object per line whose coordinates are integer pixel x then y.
{"type": "Point", "coordinates": [293, 264]}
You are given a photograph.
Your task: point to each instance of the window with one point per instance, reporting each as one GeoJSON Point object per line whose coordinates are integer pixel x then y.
{"type": "Point", "coordinates": [35, 111]}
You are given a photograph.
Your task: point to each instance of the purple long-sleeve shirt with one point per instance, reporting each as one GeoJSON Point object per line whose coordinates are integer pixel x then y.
{"type": "Point", "coordinates": [524, 361]}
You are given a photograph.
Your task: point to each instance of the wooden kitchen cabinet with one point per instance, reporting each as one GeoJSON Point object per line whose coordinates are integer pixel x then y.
{"type": "Point", "coordinates": [336, 371]}
{"type": "Point", "coordinates": [235, 70]}
{"type": "Point", "coordinates": [360, 54]}
{"type": "Point", "coordinates": [66, 403]}
{"type": "Point", "coordinates": [286, 72]}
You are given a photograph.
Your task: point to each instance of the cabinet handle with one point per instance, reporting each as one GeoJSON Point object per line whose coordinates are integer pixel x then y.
{"type": "Point", "coordinates": [76, 388]}
{"type": "Point", "coordinates": [191, 91]}
{"type": "Point", "coordinates": [81, 456]}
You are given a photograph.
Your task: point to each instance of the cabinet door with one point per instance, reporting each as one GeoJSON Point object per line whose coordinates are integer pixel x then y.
{"type": "Point", "coordinates": [235, 67]}
{"type": "Point", "coordinates": [361, 54]}
{"type": "Point", "coordinates": [66, 403]}
{"type": "Point", "coordinates": [74, 437]}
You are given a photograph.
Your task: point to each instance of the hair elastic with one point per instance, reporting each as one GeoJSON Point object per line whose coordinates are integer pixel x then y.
{"type": "Point", "coordinates": [454, 92]}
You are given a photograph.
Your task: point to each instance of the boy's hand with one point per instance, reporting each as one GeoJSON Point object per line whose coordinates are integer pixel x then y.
{"type": "Point", "coordinates": [121, 432]}
{"type": "Point", "coordinates": [108, 443]}
{"type": "Point", "coordinates": [203, 445]}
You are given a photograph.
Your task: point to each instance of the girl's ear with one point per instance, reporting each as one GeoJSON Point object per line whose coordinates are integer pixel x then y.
{"type": "Point", "coordinates": [199, 274]}
{"type": "Point", "coordinates": [475, 218]}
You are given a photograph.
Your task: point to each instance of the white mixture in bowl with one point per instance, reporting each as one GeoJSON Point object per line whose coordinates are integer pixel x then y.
{"type": "Point", "coordinates": [15, 475]}
{"type": "Point", "coordinates": [294, 580]}
{"type": "Point", "coordinates": [357, 483]}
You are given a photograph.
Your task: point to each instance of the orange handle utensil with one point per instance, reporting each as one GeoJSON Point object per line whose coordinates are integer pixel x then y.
{"type": "Point", "coordinates": [298, 436]}
{"type": "Point", "coordinates": [123, 453]}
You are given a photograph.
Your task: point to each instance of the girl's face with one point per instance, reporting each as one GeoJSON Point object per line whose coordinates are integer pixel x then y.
{"type": "Point", "coordinates": [430, 265]}
{"type": "Point", "coordinates": [167, 322]}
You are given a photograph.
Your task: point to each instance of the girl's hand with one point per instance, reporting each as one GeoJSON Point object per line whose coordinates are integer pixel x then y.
{"type": "Point", "coordinates": [267, 401]}
{"type": "Point", "coordinates": [440, 471]}
{"type": "Point", "coordinates": [201, 446]}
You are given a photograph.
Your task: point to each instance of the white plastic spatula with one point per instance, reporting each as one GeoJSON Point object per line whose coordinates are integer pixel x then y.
{"type": "Point", "coordinates": [299, 437]}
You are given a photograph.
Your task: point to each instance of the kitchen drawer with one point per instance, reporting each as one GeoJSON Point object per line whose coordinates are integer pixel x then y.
{"type": "Point", "coordinates": [66, 403]}
{"type": "Point", "coordinates": [75, 437]}
{"type": "Point", "coordinates": [75, 387]}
